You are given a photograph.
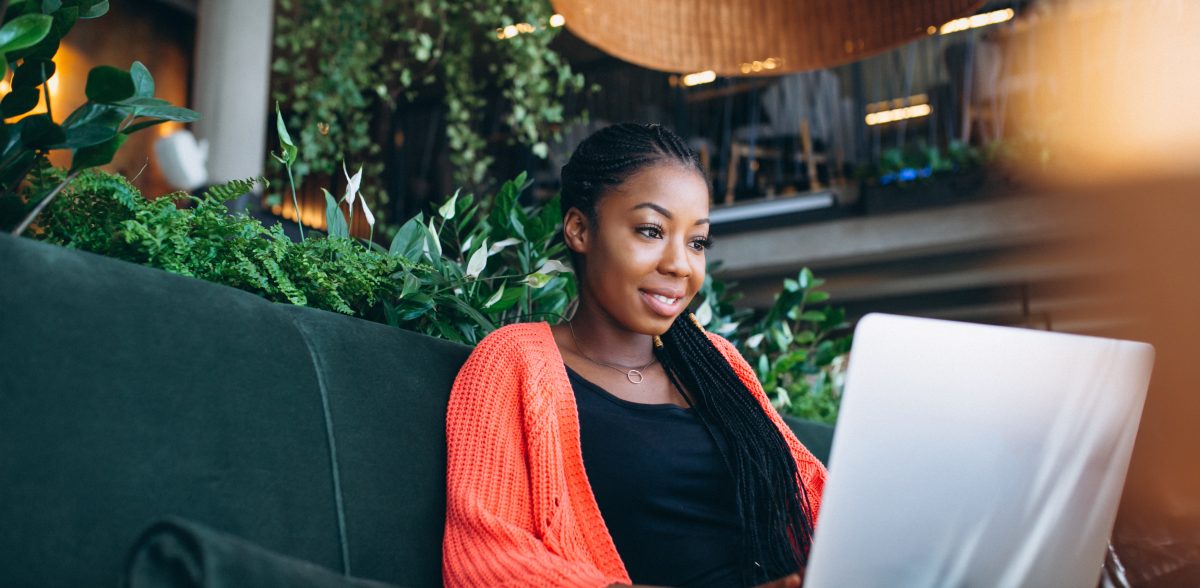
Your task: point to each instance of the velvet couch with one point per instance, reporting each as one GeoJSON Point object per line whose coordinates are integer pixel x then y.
{"type": "Point", "coordinates": [151, 417]}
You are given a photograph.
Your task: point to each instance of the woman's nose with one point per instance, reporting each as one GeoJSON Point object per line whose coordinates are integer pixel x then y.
{"type": "Point", "coordinates": [674, 259]}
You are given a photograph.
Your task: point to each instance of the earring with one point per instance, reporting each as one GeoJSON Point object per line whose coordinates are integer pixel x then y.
{"type": "Point", "coordinates": [658, 344]}
{"type": "Point", "coordinates": [695, 321]}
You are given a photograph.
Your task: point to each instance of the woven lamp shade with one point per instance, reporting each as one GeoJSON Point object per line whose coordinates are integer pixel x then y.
{"type": "Point", "coordinates": [728, 36]}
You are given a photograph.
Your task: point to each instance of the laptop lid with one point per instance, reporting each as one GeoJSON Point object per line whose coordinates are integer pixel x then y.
{"type": "Point", "coordinates": [975, 455]}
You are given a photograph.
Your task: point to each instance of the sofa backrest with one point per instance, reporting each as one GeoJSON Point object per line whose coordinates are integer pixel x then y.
{"type": "Point", "coordinates": [128, 394]}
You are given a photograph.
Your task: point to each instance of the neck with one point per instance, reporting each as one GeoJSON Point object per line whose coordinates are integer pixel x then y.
{"type": "Point", "coordinates": [603, 338]}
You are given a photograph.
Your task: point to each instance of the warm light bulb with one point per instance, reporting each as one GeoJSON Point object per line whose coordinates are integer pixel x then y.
{"type": "Point", "coordinates": [702, 77]}
{"type": "Point", "coordinates": [558, 20]}
{"type": "Point", "coordinates": [978, 20]}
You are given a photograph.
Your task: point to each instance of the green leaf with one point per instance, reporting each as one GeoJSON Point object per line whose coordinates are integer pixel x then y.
{"type": "Point", "coordinates": [39, 132]}
{"type": "Point", "coordinates": [421, 303]}
{"type": "Point", "coordinates": [85, 136]}
{"type": "Point", "coordinates": [805, 278]}
{"type": "Point", "coordinates": [143, 82]}
{"type": "Point", "coordinates": [96, 10]}
{"type": "Point", "coordinates": [158, 108]}
{"type": "Point", "coordinates": [97, 155]}
{"type": "Point", "coordinates": [494, 297]}
{"type": "Point", "coordinates": [24, 31]}
{"type": "Point", "coordinates": [433, 242]}
{"type": "Point", "coordinates": [142, 124]}
{"type": "Point", "coordinates": [812, 315]}
{"type": "Point", "coordinates": [815, 297]}
{"type": "Point", "coordinates": [49, 6]}
{"type": "Point", "coordinates": [335, 220]}
{"type": "Point", "coordinates": [90, 112]}
{"type": "Point", "coordinates": [285, 140]}
{"type": "Point", "coordinates": [32, 73]}
{"type": "Point", "coordinates": [475, 315]}
{"type": "Point", "coordinates": [19, 101]}
{"type": "Point", "coordinates": [109, 85]}
{"type": "Point", "coordinates": [409, 239]}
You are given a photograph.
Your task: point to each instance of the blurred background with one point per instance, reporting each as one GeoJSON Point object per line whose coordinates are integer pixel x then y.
{"type": "Point", "coordinates": [1030, 163]}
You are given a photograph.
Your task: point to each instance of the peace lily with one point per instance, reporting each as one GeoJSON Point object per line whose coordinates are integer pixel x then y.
{"type": "Point", "coordinates": [352, 184]}
{"type": "Point", "coordinates": [370, 221]}
{"type": "Point", "coordinates": [478, 261]}
{"type": "Point", "coordinates": [447, 209]}
{"type": "Point", "coordinates": [499, 246]}
{"type": "Point", "coordinates": [495, 297]}
{"type": "Point", "coordinates": [542, 276]}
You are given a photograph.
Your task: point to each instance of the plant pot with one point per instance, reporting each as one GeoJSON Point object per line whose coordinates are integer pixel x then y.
{"type": "Point", "coordinates": [937, 190]}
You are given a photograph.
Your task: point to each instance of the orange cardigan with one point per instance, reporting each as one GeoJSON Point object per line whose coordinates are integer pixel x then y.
{"type": "Point", "coordinates": [519, 508]}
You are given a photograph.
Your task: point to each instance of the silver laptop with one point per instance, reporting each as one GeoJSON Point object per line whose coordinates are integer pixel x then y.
{"type": "Point", "coordinates": [970, 455]}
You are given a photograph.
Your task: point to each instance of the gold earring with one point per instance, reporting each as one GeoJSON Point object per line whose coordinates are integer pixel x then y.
{"type": "Point", "coordinates": [695, 321]}
{"type": "Point", "coordinates": [658, 344]}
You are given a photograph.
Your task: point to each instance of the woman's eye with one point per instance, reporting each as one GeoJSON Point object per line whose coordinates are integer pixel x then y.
{"type": "Point", "coordinates": [651, 232]}
{"type": "Point", "coordinates": [702, 244]}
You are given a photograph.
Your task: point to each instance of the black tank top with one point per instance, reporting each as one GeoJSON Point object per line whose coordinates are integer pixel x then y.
{"type": "Point", "coordinates": [663, 489]}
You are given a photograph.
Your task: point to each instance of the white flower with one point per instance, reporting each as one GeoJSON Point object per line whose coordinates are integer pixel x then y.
{"type": "Point", "coordinates": [478, 261]}
{"type": "Point", "coordinates": [552, 266]}
{"type": "Point", "coordinates": [352, 183]}
{"type": "Point", "coordinates": [447, 209]}
{"type": "Point", "coordinates": [367, 213]}
{"type": "Point", "coordinates": [500, 245]}
{"type": "Point", "coordinates": [495, 297]}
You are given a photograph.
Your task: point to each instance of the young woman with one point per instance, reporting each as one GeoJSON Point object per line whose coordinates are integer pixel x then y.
{"type": "Point", "coordinates": [626, 445]}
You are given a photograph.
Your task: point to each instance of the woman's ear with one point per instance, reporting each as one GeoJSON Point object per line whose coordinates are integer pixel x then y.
{"type": "Point", "coordinates": [576, 230]}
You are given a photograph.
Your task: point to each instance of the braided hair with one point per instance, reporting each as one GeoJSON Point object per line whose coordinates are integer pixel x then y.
{"type": "Point", "coordinates": [772, 502]}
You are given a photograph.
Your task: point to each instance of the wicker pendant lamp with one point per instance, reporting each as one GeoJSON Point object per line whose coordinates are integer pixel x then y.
{"type": "Point", "coordinates": [729, 36]}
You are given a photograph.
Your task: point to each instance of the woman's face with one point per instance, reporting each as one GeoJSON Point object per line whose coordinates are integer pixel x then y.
{"type": "Point", "coordinates": [643, 261]}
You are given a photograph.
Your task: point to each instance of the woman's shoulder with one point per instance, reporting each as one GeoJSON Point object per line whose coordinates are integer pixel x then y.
{"type": "Point", "coordinates": [517, 340]}
{"type": "Point", "coordinates": [724, 346]}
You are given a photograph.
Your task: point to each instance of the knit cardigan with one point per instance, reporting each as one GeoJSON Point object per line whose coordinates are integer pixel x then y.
{"type": "Point", "coordinates": [519, 508]}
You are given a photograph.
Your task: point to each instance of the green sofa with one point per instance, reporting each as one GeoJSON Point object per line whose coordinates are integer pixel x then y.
{"type": "Point", "coordinates": [130, 396]}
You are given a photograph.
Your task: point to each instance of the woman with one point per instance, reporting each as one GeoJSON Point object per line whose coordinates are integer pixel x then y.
{"type": "Point", "coordinates": [626, 445]}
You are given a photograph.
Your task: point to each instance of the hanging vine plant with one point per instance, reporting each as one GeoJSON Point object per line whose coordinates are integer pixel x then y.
{"type": "Point", "coordinates": [342, 68]}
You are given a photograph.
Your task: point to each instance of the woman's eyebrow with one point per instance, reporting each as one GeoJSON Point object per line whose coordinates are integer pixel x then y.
{"type": "Point", "coordinates": [664, 212]}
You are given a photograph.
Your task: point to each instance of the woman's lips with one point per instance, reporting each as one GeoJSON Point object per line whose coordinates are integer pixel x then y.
{"type": "Point", "coordinates": [661, 307]}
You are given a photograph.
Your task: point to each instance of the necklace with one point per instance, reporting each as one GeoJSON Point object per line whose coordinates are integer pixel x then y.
{"type": "Point", "coordinates": [634, 375]}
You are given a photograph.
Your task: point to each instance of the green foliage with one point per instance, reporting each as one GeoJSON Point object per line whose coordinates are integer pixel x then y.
{"type": "Point", "coordinates": [793, 346]}
{"type": "Point", "coordinates": [422, 283]}
{"type": "Point", "coordinates": [344, 68]}
{"type": "Point", "coordinates": [103, 213]}
{"type": "Point", "coordinates": [119, 103]}
{"type": "Point", "coordinates": [497, 257]}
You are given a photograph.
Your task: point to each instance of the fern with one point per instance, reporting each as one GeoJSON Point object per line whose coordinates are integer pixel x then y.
{"type": "Point", "coordinates": [286, 287]}
{"type": "Point", "coordinates": [234, 189]}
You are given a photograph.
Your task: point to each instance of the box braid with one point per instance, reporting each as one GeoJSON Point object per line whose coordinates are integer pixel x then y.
{"type": "Point", "coordinates": [772, 502]}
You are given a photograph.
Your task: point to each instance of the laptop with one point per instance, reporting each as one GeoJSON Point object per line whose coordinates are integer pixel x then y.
{"type": "Point", "coordinates": [972, 455]}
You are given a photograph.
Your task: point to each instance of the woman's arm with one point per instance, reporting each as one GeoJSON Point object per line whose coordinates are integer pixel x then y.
{"type": "Point", "coordinates": [491, 535]}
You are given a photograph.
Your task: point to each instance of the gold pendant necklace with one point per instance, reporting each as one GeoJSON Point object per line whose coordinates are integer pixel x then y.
{"type": "Point", "coordinates": [634, 375]}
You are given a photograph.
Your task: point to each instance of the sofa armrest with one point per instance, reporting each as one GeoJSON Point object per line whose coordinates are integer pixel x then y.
{"type": "Point", "coordinates": [178, 553]}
